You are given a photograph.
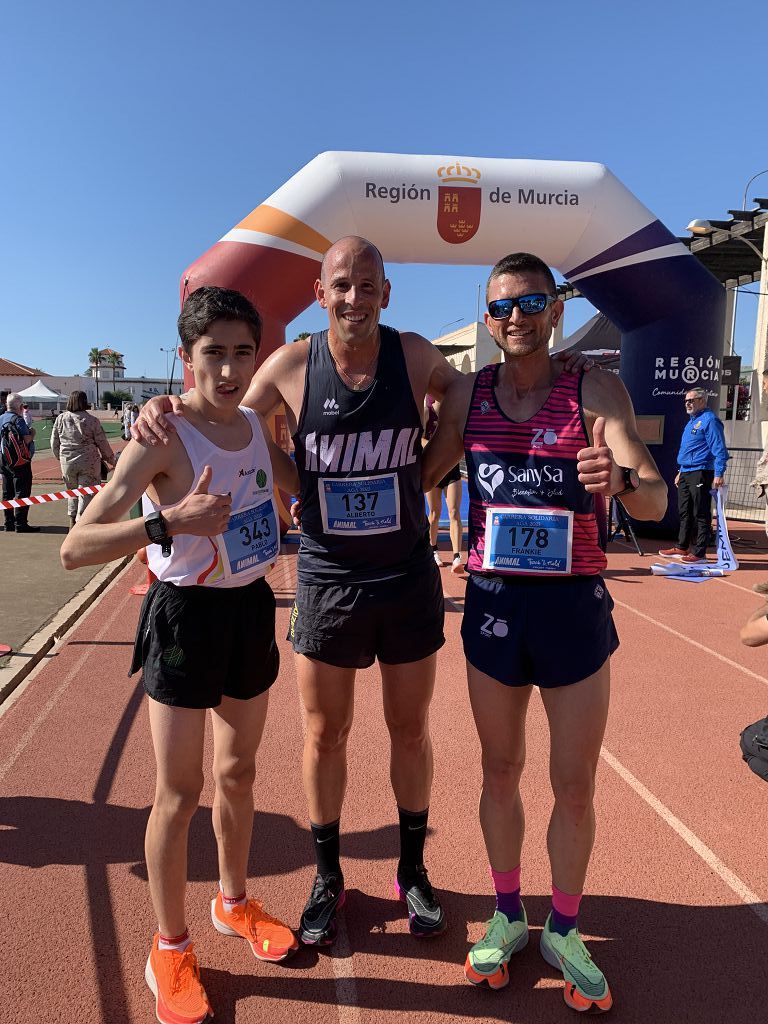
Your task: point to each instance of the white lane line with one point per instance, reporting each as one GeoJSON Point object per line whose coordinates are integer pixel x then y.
{"type": "Point", "coordinates": [693, 643]}
{"type": "Point", "coordinates": [341, 952]}
{"type": "Point", "coordinates": [736, 586]}
{"type": "Point", "coordinates": [734, 883]}
{"type": "Point", "coordinates": [50, 704]}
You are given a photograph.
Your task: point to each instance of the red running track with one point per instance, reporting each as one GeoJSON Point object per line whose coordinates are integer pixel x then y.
{"type": "Point", "coordinates": [676, 892]}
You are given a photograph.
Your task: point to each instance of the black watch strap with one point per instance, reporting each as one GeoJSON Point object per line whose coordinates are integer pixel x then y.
{"type": "Point", "coordinates": [631, 481]}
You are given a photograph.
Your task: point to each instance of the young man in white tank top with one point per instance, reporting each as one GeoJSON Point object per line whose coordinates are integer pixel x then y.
{"type": "Point", "coordinates": [210, 519]}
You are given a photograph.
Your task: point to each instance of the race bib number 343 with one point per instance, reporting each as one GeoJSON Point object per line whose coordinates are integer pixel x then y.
{"type": "Point", "coordinates": [528, 540]}
{"type": "Point", "coordinates": [365, 504]}
{"type": "Point", "coordinates": [252, 538]}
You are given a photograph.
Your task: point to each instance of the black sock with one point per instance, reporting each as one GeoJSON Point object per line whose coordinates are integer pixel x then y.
{"type": "Point", "coordinates": [326, 840]}
{"type": "Point", "coordinates": [434, 547]}
{"type": "Point", "coordinates": [457, 554]}
{"type": "Point", "coordinates": [413, 832]}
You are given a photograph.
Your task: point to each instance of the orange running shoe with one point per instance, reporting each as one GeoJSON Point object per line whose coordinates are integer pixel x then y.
{"type": "Point", "coordinates": [174, 979]}
{"type": "Point", "coordinates": [270, 939]}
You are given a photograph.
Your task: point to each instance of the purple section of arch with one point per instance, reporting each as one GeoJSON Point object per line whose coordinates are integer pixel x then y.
{"type": "Point", "coordinates": [651, 236]}
{"type": "Point", "coordinates": [665, 308]}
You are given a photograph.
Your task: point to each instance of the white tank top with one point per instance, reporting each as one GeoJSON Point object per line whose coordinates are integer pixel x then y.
{"type": "Point", "coordinates": [250, 545]}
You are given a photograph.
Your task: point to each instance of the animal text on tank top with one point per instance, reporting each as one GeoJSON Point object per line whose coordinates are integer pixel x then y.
{"type": "Point", "coordinates": [359, 459]}
{"type": "Point", "coordinates": [528, 513]}
{"type": "Point", "coordinates": [251, 542]}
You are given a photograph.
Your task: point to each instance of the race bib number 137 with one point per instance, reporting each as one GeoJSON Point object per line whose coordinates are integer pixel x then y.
{"type": "Point", "coordinates": [365, 504]}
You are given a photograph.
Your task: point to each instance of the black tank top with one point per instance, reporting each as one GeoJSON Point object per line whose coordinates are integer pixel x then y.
{"type": "Point", "coordinates": [359, 459]}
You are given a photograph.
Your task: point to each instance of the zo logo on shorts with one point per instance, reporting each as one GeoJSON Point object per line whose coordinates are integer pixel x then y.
{"type": "Point", "coordinates": [599, 591]}
{"type": "Point", "coordinates": [541, 436]}
{"type": "Point", "coordinates": [493, 626]}
{"type": "Point", "coordinates": [489, 476]}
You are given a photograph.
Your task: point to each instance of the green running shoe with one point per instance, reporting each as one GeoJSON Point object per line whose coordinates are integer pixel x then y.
{"type": "Point", "coordinates": [488, 958]}
{"type": "Point", "coordinates": [585, 984]}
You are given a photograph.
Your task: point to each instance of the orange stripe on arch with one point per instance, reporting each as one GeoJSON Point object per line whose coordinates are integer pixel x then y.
{"type": "Point", "coordinates": [271, 221]}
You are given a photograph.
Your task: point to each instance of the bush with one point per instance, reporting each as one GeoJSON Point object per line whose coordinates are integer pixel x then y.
{"type": "Point", "coordinates": [115, 398]}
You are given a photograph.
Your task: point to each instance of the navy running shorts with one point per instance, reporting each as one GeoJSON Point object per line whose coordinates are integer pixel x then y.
{"type": "Point", "coordinates": [199, 644]}
{"type": "Point", "coordinates": [549, 631]}
{"type": "Point", "coordinates": [397, 621]}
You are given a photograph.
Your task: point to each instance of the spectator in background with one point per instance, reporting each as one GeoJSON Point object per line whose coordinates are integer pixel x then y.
{"type": "Point", "coordinates": [80, 444]}
{"type": "Point", "coordinates": [26, 415]}
{"type": "Point", "coordinates": [702, 459]}
{"type": "Point", "coordinates": [760, 483]}
{"type": "Point", "coordinates": [127, 421]}
{"type": "Point", "coordinates": [3, 397]}
{"type": "Point", "coordinates": [451, 486]}
{"type": "Point", "coordinates": [17, 480]}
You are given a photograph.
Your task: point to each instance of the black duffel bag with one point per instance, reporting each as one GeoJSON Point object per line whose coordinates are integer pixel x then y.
{"type": "Point", "coordinates": [754, 747]}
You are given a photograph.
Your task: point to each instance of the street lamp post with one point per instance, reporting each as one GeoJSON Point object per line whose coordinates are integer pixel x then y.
{"type": "Point", "coordinates": [167, 368]}
{"type": "Point", "coordinates": [451, 324]}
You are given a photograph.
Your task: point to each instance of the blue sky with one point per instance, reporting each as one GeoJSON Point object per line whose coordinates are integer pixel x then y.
{"type": "Point", "coordinates": [134, 136]}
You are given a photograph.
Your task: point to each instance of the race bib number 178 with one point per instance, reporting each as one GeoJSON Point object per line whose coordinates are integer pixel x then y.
{"type": "Point", "coordinates": [528, 540]}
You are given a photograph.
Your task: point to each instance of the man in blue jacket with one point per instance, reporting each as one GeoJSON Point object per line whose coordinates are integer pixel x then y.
{"type": "Point", "coordinates": [702, 459]}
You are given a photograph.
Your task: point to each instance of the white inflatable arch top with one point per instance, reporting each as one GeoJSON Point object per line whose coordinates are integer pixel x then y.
{"type": "Point", "coordinates": [578, 217]}
{"type": "Point", "coordinates": [468, 210]}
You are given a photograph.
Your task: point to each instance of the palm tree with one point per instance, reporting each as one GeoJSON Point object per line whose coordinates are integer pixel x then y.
{"type": "Point", "coordinates": [113, 359]}
{"type": "Point", "coordinates": [94, 360]}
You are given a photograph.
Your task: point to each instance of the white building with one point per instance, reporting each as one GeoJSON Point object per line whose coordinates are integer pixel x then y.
{"type": "Point", "coordinates": [17, 377]}
{"type": "Point", "coordinates": [469, 348]}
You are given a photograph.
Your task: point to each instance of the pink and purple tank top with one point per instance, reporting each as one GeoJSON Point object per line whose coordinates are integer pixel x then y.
{"type": "Point", "coordinates": [528, 513]}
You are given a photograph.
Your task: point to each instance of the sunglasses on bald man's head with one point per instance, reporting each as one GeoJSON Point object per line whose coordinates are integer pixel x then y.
{"type": "Point", "coordinates": [500, 309]}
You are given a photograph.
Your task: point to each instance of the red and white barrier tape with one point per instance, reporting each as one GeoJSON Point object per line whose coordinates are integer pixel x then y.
{"type": "Point", "coordinates": [41, 499]}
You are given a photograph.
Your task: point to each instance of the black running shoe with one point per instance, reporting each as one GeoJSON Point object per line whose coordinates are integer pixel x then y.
{"type": "Point", "coordinates": [425, 915]}
{"type": "Point", "coordinates": [318, 919]}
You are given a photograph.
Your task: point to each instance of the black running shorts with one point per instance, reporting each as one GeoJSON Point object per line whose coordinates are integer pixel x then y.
{"type": "Point", "coordinates": [397, 621]}
{"type": "Point", "coordinates": [199, 644]}
{"type": "Point", "coordinates": [453, 476]}
{"type": "Point", "coordinates": [549, 631]}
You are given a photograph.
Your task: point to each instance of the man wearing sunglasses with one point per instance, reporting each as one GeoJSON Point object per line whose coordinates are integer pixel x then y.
{"type": "Point", "coordinates": [544, 449]}
{"type": "Point", "coordinates": [702, 460]}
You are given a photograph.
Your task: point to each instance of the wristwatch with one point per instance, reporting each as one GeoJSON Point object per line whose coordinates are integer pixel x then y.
{"type": "Point", "coordinates": [631, 481]}
{"type": "Point", "coordinates": [157, 531]}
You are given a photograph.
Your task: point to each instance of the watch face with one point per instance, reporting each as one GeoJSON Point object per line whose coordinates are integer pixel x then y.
{"type": "Point", "coordinates": [155, 528]}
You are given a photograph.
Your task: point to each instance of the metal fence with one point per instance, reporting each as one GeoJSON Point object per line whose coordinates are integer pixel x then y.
{"type": "Point", "coordinates": [743, 501]}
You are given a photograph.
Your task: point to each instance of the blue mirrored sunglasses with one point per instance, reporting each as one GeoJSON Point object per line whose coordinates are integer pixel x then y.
{"type": "Point", "coordinates": [500, 309]}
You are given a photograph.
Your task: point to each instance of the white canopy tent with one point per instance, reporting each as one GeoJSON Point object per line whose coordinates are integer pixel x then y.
{"type": "Point", "coordinates": [40, 393]}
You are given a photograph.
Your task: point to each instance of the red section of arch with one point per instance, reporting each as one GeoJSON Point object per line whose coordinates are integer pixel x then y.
{"type": "Point", "coordinates": [280, 284]}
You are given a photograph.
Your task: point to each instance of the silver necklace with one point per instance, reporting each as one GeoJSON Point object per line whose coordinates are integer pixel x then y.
{"type": "Point", "coordinates": [357, 385]}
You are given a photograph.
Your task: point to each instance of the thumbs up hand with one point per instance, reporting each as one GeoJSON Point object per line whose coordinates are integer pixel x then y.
{"type": "Point", "coordinates": [595, 466]}
{"type": "Point", "coordinates": [200, 513]}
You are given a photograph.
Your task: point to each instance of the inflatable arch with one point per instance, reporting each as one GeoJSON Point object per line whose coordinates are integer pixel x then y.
{"type": "Point", "coordinates": [577, 217]}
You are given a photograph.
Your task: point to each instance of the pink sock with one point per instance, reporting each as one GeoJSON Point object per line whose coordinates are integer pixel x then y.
{"type": "Point", "coordinates": [564, 903]}
{"type": "Point", "coordinates": [506, 881]}
{"type": "Point", "coordinates": [507, 886]}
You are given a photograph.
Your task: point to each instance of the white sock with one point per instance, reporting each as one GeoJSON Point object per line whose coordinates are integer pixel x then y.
{"type": "Point", "coordinates": [229, 902]}
{"type": "Point", "coordinates": [178, 942]}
